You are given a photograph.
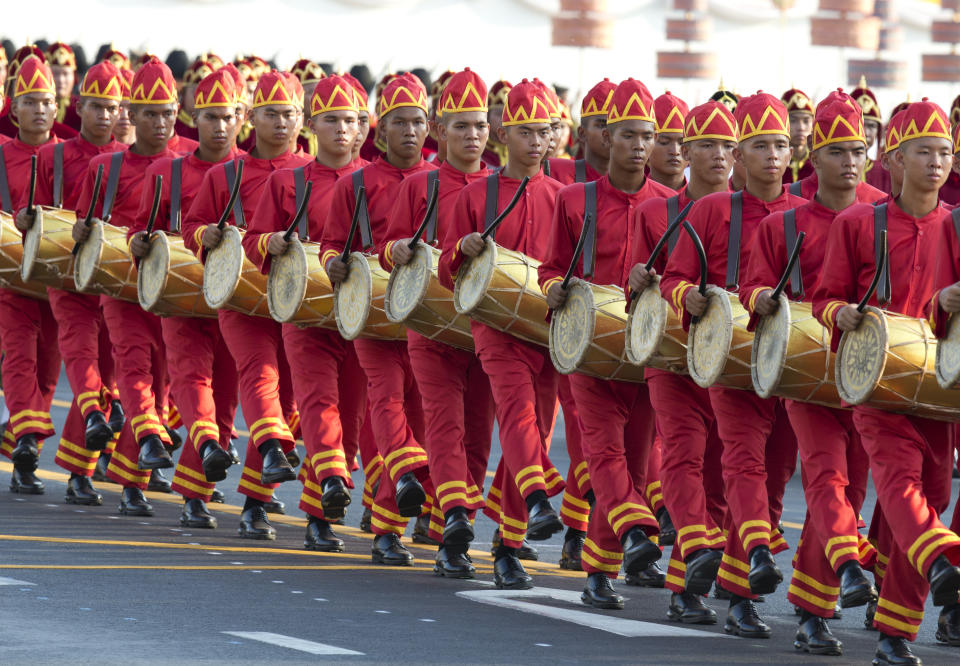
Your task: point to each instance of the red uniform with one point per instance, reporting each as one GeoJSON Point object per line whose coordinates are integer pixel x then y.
{"type": "Point", "coordinates": [950, 192]}
{"type": "Point", "coordinates": [254, 342]}
{"type": "Point", "coordinates": [866, 193]}
{"type": "Point", "coordinates": [877, 176]}
{"type": "Point", "coordinates": [566, 171]}
{"type": "Point", "coordinates": [909, 455]}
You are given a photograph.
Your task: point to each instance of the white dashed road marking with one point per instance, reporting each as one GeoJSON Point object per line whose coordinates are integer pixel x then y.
{"type": "Point", "coordinates": [292, 643]}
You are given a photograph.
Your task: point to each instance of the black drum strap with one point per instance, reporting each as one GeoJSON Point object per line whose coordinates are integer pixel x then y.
{"type": "Point", "coordinates": [5, 203]}
{"type": "Point", "coordinates": [176, 179]}
{"type": "Point", "coordinates": [366, 234]}
{"type": "Point", "coordinates": [299, 190]}
{"type": "Point", "coordinates": [790, 236]}
{"type": "Point", "coordinates": [230, 171]}
{"type": "Point", "coordinates": [546, 167]}
{"type": "Point", "coordinates": [58, 175]}
{"type": "Point", "coordinates": [113, 181]}
{"type": "Point", "coordinates": [884, 290]}
{"type": "Point", "coordinates": [733, 241]}
{"type": "Point", "coordinates": [490, 211]}
{"type": "Point", "coordinates": [431, 233]}
{"type": "Point", "coordinates": [589, 219]}
{"type": "Point", "coordinates": [673, 209]}
{"type": "Point", "coordinates": [955, 215]}
{"type": "Point", "coordinates": [796, 188]}
{"type": "Point", "coordinates": [580, 171]}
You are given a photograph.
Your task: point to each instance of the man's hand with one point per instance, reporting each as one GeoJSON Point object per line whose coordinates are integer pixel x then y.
{"type": "Point", "coordinates": [695, 303]}
{"type": "Point", "coordinates": [140, 245]}
{"type": "Point", "coordinates": [849, 317]}
{"type": "Point", "coordinates": [765, 305]}
{"type": "Point", "coordinates": [400, 252]}
{"type": "Point", "coordinates": [211, 236]}
{"type": "Point", "coordinates": [80, 231]}
{"type": "Point", "coordinates": [276, 245]}
{"type": "Point", "coordinates": [640, 278]}
{"type": "Point", "coordinates": [337, 270]}
{"type": "Point", "coordinates": [556, 296]}
{"type": "Point", "coordinates": [950, 298]}
{"type": "Point", "coordinates": [471, 245]}
{"type": "Point", "coordinates": [24, 220]}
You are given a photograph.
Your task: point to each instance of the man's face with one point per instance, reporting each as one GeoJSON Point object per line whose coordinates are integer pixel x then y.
{"type": "Point", "coordinates": [840, 165]}
{"type": "Point", "coordinates": [63, 80]}
{"type": "Point", "coordinates": [336, 131]}
{"type": "Point", "coordinates": [630, 144]}
{"type": "Point", "coordinates": [666, 156]}
{"type": "Point", "coordinates": [495, 119]}
{"type": "Point", "coordinates": [591, 134]}
{"type": "Point", "coordinates": [465, 133]}
{"type": "Point", "coordinates": [554, 137]}
{"type": "Point", "coordinates": [36, 112]}
{"type": "Point", "coordinates": [926, 162]}
{"type": "Point", "coordinates": [153, 123]}
{"type": "Point", "coordinates": [871, 130]}
{"type": "Point", "coordinates": [216, 127]}
{"type": "Point", "coordinates": [123, 124]}
{"type": "Point", "coordinates": [801, 125]}
{"type": "Point", "coordinates": [98, 116]}
{"type": "Point", "coordinates": [275, 124]}
{"type": "Point", "coordinates": [710, 160]}
{"type": "Point", "coordinates": [404, 130]}
{"type": "Point", "coordinates": [764, 157]}
{"type": "Point", "coordinates": [308, 89]}
{"type": "Point", "coordinates": [889, 162]}
{"type": "Point", "coordinates": [187, 97]}
{"type": "Point", "coordinates": [363, 125]}
{"type": "Point", "coordinates": [526, 144]}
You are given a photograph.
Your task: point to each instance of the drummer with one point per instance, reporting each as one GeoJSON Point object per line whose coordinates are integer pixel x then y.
{"type": "Point", "coordinates": [746, 423]}
{"type": "Point", "coordinates": [595, 156]}
{"type": "Point", "coordinates": [327, 381]}
{"type": "Point", "coordinates": [834, 464]}
{"type": "Point", "coordinates": [28, 330]}
{"type": "Point", "coordinates": [254, 342]}
{"type": "Point", "coordinates": [691, 470]}
{"type": "Point", "coordinates": [457, 402]}
{"type": "Point", "coordinates": [666, 164]}
{"type": "Point", "coordinates": [521, 375]}
{"type": "Point", "coordinates": [616, 418]}
{"type": "Point", "coordinates": [83, 339]}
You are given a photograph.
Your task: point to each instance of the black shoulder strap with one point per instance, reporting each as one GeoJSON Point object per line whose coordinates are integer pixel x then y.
{"type": "Point", "coordinates": [431, 233]}
{"type": "Point", "coordinates": [113, 180]}
{"type": "Point", "coordinates": [300, 189]}
{"type": "Point", "coordinates": [733, 241]}
{"type": "Point", "coordinates": [955, 215]}
{"type": "Point", "coordinates": [673, 209]}
{"type": "Point", "coordinates": [796, 188]}
{"type": "Point", "coordinates": [366, 234]}
{"type": "Point", "coordinates": [880, 225]}
{"type": "Point", "coordinates": [546, 167]}
{"type": "Point", "coordinates": [176, 180]}
{"type": "Point", "coordinates": [590, 219]}
{"type": "Point", "coordinates": [790, 236]}
{"type": "Point", "coordinates": [230, 171]}
{"type": "Point", "coordinates": [5, 202]}
{"type": "Point", "coordinates": [58, 175]}
{"type": "Point", "coordinates": [580, 171]}
{"type": "Point", "coordinates": [493, 191]}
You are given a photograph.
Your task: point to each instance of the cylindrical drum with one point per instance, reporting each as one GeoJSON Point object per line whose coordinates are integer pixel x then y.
{"type": "Point", "coordinates": [499, 288]}
{"type": "Point", "coordinates": [231, 281]}
{"type": "Point", "coordinates": [48, 248]}
{"type": "Point", "coordinates": [11, 254]}
{"type": "Point", "coordinates": [298, 289]}
{"type": "Point", "coordinates": [791, 356]}
{"type": "Point", "coordinates": [889, 362]}
{"type": "Point", "coordinates": [104, 265]}
{"type": "Point", "coordinates": [170, 279]}
{"type": "Point", "coordinates": [358, 302]}
{"type": "Point", "coordinates": [719, 344]}
{"type": "Point", "coordinates": [587, 333]}
{"type": "Point", "coordinates": [655, 336]}
{"type": "Point", "coordinates": [948, 356]}
{"type": "Point", "coordinates": [416, 299]}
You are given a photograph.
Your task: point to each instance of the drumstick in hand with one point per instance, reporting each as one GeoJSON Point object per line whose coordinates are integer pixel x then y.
{"type": "Point", "coordinates": [88, 220]}
{"type": "Point", "coordinates": [790, 264]}
{"type": "Point", "coordinates": [300, 210]}
{"type": "Point", "coordinates": [355, 222]}
{"type": "Point", "coordinates": [33, 184]}
{"type": "Point", "coordinates": [234, 191]}
{"type": "Point", "coordinates": [658, 248]}
{"type": "Point", "coordinates": [701, 253]}
{"type": "Point", "coordinates": [577, 252]}
{"type": "Point", "coordinates": [431, 205]}
{"type": "Point", "coordinates": [506, 211]}
{"type": "Point", "coordinates": [157, 187]}
{"type": "Point", "coordinates": [881, 262]}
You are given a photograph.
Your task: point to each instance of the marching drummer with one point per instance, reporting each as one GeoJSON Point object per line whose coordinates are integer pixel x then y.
{"type": "Point", "coordinates": [595, 155]}
{"type": "Point", "coordinates": [827, 565]}
{"type": "Point", "coordinates": [254, 342]}
{"type": "Point", "coordinates": [691, 471]}
{"type": "Point", "coordinates": [745, 422]}
{"type": "Point", "coordinates": [616, 418]}
{"type": "Point", "coordinates": [521, 375]}
{"type": "Point", "coordinates": [666, 164]}
{"type": "Point", "coordinates": [327, 381]}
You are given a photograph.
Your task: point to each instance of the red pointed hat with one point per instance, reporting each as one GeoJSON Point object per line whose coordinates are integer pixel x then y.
{"type": "Point", "coordinates": [838, 118]}
{"type": "Point", "coordinates": [307, 71]}
{"type": "Point", "coordinates": [526, 104]}
{"type": "Point", "coordinates": [711, 120]}
{"type": "Point", "coordinates": [197, 72]}
{"type": "Point", "coordinates": [403, 90]}
{"type": "Point", "coordinates": [498, 93]}
{"type": "Point", "coordinates": [118, 58]}
{"type": "Point", "coordinates": [867, 101]}
{"type": "Point", "coordinates": [956, 139]}
{"type": "Point", "coordinates": [217, 90]}
{"type": "Point", "coordinates": [670, 113]}
{"type": "Point", "coordinates": [276, 88]}
{"type": "Point", "coordinates": [553, 102]}
{"type": "Point", "coordinates": [924, 119]}
{"type": "Point", "coordinates": [22, 54]}
{"type": "Point", "coordinates": [797, 100]}
{"type": "Point", "coordinates": [436, 88]}
{"type": "Point", "coordinates": [464, 91]}
{"type": "Point", "coordinates": [153, 84]}
{"type": "Point", "coordinates": [33, 76]}
{"type": "Point", "coordinates": [762, 114]}
{"type": "Point", "coordinates": [597, 100]}
{"type": "Point", "coordinates": [126, 80]}
{"type": "Point", "coordinates": [61, 54]}
{"type": "Point", "coordinates": [333, 93]}
{"type": "Point", "coordinates": [955, 111]}
{"type": "Point", "coordinates": [631, 101]}
{"type": "Point", "coordinates": [363, 100]}
{"type": "Point", "coordinates": [894, 129]}
{"type": "Point", "coordinates": [215, 61]}
{"type": "Point", "coordinates": [103, 82]}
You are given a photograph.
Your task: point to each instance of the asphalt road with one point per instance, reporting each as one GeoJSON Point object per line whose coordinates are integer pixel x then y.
{"type": "Point", "coordinates": [86, 585]}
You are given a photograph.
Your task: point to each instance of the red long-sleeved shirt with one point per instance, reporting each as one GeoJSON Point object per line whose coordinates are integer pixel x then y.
{"type": "Point", "coordinates": [866, 193]}
{"type": "Point", "coordinates": [947, 273]}
{"type": "Point", "coordinates": [564, 170]}
{"type": "Point", "coordinates": [16, 157]}
{"type": "Point", "coordinates": [77, 153]}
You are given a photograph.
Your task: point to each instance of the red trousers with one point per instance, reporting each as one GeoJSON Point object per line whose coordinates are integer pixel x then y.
{"type": "Point", "coordinates": [141, 368]}
{"type": "Point", "coordinates": [911, 466]}
{"type": "Point", "coordinates": [781, 463]}
{"type": "Point", "coordinates": [574, 509]}
{"type": "Point", "coordinates": [397, 420]}
{"type": "Point", "coordinates": [31, 366]}
{"type": "Point", "coordinates": [834, 473]}
{"type": "Point", "coordinates": [618, 432]}
{"type": "Point", "coordinates": [203, 382]}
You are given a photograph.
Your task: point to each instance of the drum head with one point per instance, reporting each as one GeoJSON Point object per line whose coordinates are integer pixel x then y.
{"type": "Point", "coordinates": [861, 358]}
{"type": "Point", "coordinates": [287, 282]}
{"type": "Point", "coordinates": [88, 258]}
{"type": "Point", "coordinates": [221, 272]}
{"type": "Point", "coordinates": [948, 356]}
{"type": "Point", "coordinates": [710, 338]}
{"type": "Point", "coordinates": [352, 298]}
{"type": "Point", "coordinates": [646, 324]}
{"type": "Point", "coordinates": [571, 328]}
{"type": "Point", "coordinates": [153, 271]}
{"type": "Point", "coordinates": [770, 341]}
{"type": "Point", "coordinates": [31, 246]}
{"type": "Point", "coordinates": [408, 285]}
{"type": "Point", "coordinates": [473, 280]}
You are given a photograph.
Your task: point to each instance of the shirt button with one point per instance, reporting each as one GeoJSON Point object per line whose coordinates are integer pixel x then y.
{"type": "Point", "coordinates": [917, 269]}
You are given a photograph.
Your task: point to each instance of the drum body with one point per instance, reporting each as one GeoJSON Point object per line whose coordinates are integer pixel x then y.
{"type": "Point", "coordinates": [948, 356]}
{"type": "Point", "coordinates": [889, 362]}
{"type": "Point", "coordinates": [719, 344]}
{"type": "Point", "coordinates": [104, 265]}
{"type": "Point", "coordinates": [170, 280]}
{"type": "Point", "coordinates": [48, 249]}
{"type": "Point", "coordinates": [499, 288]}
{"type": "Point", "coordinates": [11, 255]}
{"type": "Point", "coordinates": [298, 290]}
{"type": "Point", "coordinates": [416, 299]}
{"type": "Point", "coordinates": [655, 336]}
{"type": "Point", "coordinates": [358, 302]}
{"type": "Point", "coordinates": [791, 356]}
{"type": "Point", "coordinates": [231, 281]}
{"type": "Point", "coordinates": [587, 333]}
